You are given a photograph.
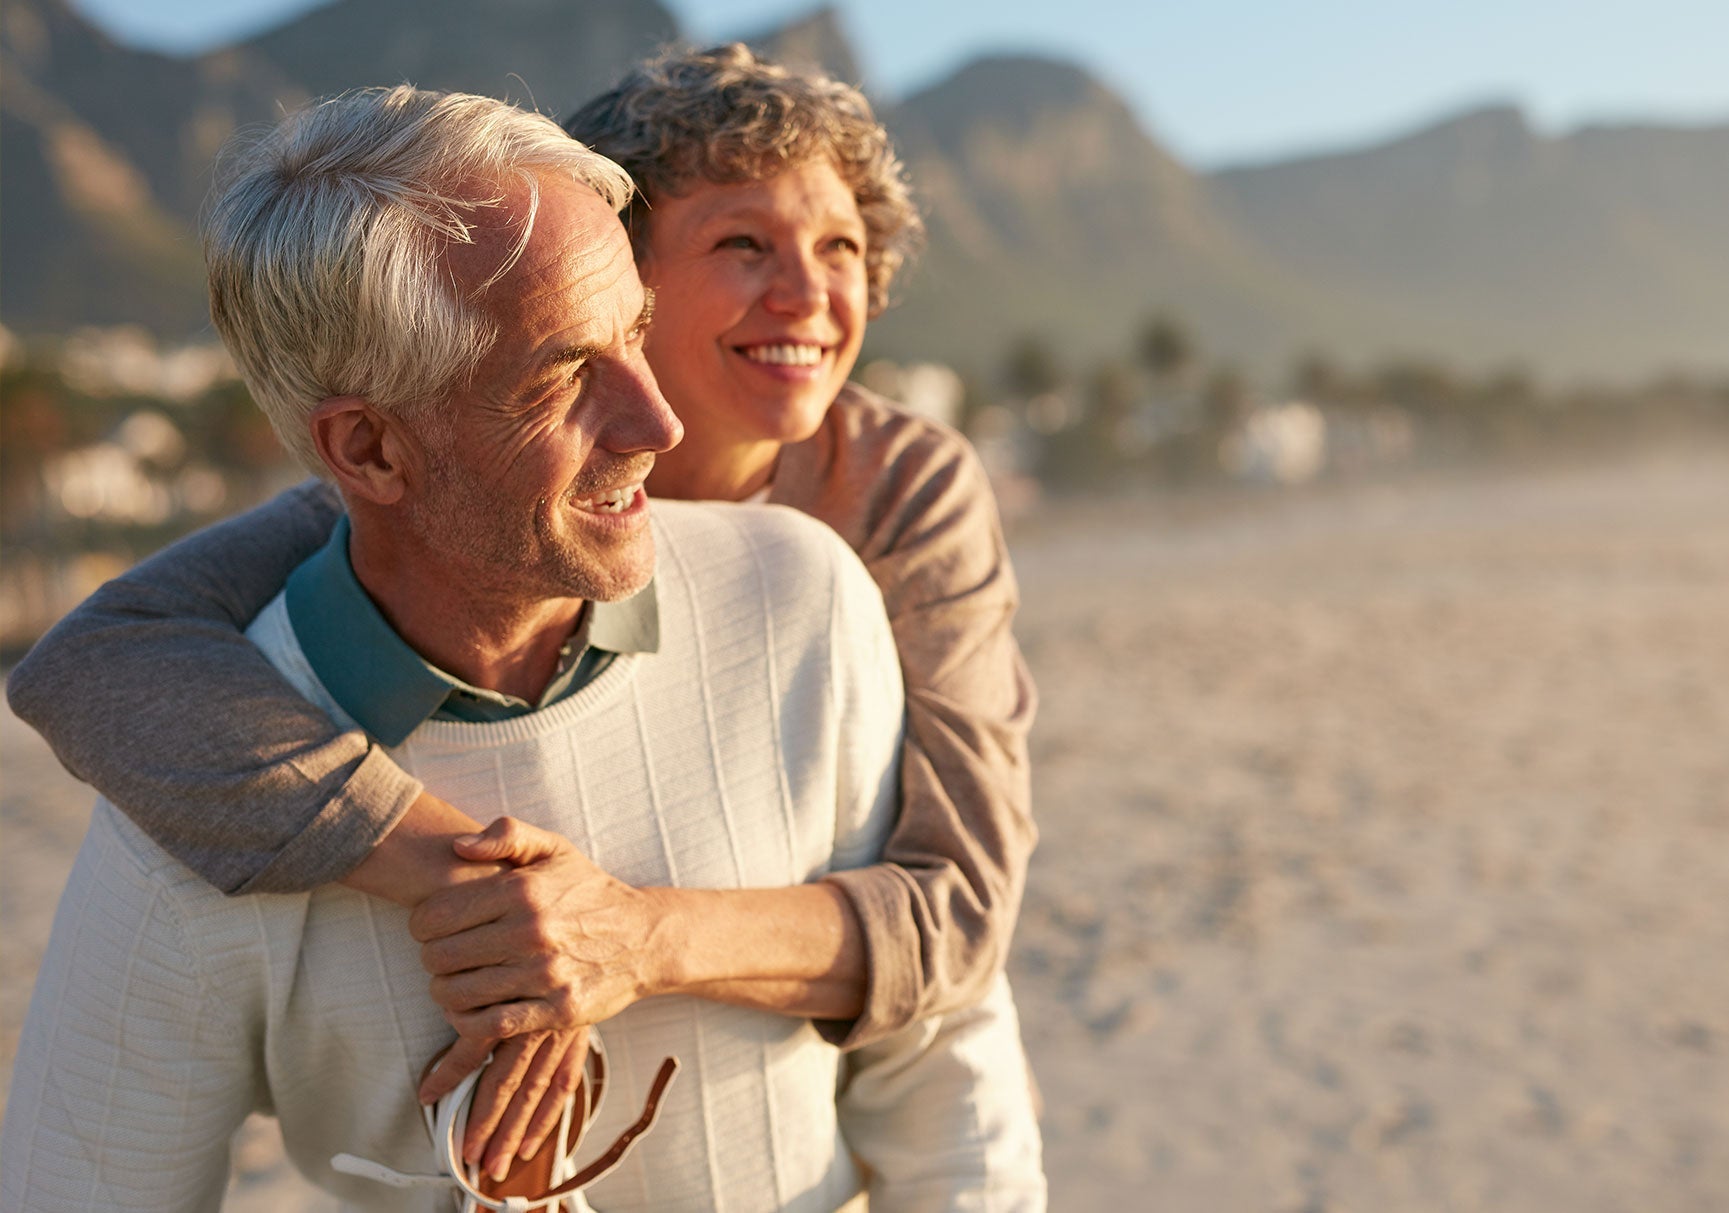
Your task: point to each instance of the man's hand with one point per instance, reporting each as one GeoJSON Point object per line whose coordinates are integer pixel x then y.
{"type": "Point", "coordinates": [553, 943]}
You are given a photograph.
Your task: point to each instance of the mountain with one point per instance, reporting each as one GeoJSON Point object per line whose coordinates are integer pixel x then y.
{"type": "Point", "coordinates": [1481, 241]}
{"type": "Point", "coordinates": [549, 54]}
{"type": "Point", "coordinates": [816, 42]}
{"type": "Point", "coordinates": [97, 248]}
{"type": "Point", "coordinates": [1475, 241]}
{"type": "Point", "coordinates": [108, 150]}
{"type": "Point", "coordinates": [1052, 211]}
{"type": "Point", "coordinates": [166, 116]}
{"type": "Point", "coordinates": [107, 154]}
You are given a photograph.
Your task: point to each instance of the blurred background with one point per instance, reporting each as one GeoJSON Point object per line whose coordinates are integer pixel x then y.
{"type": "Point", "coordinates": [1355, 382]}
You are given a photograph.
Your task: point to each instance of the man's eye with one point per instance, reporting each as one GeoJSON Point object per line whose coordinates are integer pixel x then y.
{"type": "Point", "coordinates": [738, 242]}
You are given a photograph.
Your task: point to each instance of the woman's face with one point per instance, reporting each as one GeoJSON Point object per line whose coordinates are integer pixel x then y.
{"type": "Point", "coordinates": [760, 302]}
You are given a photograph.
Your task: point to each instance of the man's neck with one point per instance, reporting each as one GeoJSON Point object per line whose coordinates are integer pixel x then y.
{"type": "Point", "coordinates": [489, 640]}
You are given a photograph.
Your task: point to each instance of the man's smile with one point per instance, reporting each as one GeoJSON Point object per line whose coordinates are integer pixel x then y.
{"type": "Point", "coordinates": [613, 501]}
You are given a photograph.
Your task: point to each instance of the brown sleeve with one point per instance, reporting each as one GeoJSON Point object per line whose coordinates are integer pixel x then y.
{"type": "Point", "coordinates": [912, 499]}
{"type": "Point", "coordinates": [150, 692]}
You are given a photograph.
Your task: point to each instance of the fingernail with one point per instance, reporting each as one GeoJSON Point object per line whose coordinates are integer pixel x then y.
{"type": "Point", "coordinates": [527, 1153]}
{"type": "Point", "coordinates": [500, 1169]}
{"type": "Point", "coordinates": [468, 838]}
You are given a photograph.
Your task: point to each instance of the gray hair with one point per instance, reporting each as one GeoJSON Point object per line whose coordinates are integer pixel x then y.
{"type": "Point", "coordinates": [724, 116]}
{"type": "Point", "coordinates": [324, 242]}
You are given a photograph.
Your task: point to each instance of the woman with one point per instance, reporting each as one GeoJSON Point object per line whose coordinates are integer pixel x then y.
{"type": "Point", "coordinates": [772, 220]}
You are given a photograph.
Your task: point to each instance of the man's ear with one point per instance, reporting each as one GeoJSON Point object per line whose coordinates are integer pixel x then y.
{"type": "Point", "coordinates": [367, 450]}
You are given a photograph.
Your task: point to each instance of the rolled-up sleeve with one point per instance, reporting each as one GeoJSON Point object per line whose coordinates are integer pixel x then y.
{"type": "Point", "coordinates": [938, 913]}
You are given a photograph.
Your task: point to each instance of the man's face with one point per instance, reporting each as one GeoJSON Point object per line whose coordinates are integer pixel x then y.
{"type": "Point", "coordinates": [762, 302]}
{"type": "Point", "coordinates": [533, 485]}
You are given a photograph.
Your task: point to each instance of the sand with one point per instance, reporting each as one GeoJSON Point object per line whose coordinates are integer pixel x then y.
{"type": "Point", "coordinates": [1386, 847]}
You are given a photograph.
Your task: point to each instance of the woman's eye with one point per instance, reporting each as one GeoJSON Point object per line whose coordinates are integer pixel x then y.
{"type": "Point", "coordinates": [846, 244]}
{"type": "Point", "coordinates": [737, 242]}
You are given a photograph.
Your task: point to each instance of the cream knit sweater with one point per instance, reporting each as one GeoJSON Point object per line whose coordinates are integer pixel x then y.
{"type": "Point", "coordinates": [757, 748]}
{"type": "Point", "coordinates": [258, 791]}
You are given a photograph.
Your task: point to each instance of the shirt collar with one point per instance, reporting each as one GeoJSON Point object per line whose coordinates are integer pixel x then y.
{"type": "Point", "coordinates": [388, 688]}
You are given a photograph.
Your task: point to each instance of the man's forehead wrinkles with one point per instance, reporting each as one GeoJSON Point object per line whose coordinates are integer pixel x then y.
{"type": "Point", "coordinates": [597, 260]}
{"type": "Point", "coordinates": [586, 264]}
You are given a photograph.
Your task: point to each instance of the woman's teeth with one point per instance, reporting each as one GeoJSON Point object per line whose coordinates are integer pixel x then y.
{"type": "Point", "coordinates": [785, 355]}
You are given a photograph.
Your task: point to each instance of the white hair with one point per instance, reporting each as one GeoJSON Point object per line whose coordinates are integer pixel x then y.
{"type": "Point", "coordinates": [323, 246]}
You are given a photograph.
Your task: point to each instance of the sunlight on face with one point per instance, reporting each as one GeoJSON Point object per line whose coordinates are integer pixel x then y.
{"type": "Point", "coordinates": [535, 481]}
{"type": "Point", "coordinates": [762, 300]}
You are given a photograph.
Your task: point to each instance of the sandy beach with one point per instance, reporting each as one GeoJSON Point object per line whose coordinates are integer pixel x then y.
{"type": "Point", "coordinates": [1386, 841]}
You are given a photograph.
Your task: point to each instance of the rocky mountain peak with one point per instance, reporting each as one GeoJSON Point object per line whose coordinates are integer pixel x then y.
{"type": "Point", "coordinates": [552, 54]}
{"type": "Point", "coordinates": [817, 42]}
{"type": "Point", "coordinates": [1015, 93]}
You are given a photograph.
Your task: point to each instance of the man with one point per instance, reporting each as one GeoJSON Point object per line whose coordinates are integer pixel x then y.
{"type": "Point", "coordinates": [433, 298]}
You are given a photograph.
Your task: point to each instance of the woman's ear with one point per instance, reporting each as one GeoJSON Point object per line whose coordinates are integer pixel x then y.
{"type": "Point", "coordinates": [366, 450]}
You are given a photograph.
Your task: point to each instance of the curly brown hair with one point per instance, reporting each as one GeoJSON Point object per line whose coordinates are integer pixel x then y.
{"type": "Point", "coordinates": [725, 116]}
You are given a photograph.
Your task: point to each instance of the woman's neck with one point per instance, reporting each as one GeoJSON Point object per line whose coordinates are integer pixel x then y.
{"type": "Point", "coordinates": [695, 471]}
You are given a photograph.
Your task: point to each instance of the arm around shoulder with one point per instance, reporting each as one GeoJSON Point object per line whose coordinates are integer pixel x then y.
{"type": "Point", "coordinates": [150, 692]}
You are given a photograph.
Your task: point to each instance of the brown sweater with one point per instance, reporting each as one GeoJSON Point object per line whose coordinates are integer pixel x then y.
{"type": "Point", "coordinates": [257, 791]}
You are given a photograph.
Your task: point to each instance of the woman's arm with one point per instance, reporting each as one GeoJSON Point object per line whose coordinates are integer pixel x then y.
{"type": "Point", "coordinates": [138, 689]}
{"type": "Point", "coordinates": [938, 913]}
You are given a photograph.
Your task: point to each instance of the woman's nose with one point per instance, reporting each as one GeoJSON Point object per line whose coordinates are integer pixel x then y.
{"type": "Point", "coordinates": [799, 287]}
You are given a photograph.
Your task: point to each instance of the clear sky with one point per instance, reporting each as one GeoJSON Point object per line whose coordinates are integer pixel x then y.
{"type": "Point", "coordinates": [1220, 81]}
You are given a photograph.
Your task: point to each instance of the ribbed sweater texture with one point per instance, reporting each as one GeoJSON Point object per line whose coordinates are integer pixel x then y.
{"type": "Point", "coordinates": [757, 748]}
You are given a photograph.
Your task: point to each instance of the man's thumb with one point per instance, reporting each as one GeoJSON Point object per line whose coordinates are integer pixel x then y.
{"type": "Point", "coordinates": [506, 840]}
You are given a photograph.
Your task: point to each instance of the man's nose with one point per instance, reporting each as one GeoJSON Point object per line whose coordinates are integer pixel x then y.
{"type": "Point", "coordinates": [643, 420]}
{"type": "Point", "coordinates": [799, 286]}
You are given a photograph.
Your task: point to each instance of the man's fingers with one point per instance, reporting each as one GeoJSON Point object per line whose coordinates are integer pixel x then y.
{"type": "Point", "coordinates": [508, 840]}
{"type": "Point", "coordinates": [511, 1060]}
{"type": "Point", "coordinates": [462, 1057]}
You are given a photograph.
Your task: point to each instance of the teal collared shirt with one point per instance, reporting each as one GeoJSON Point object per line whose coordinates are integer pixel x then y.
{"type": "Point", "coordinates": [390, 690]}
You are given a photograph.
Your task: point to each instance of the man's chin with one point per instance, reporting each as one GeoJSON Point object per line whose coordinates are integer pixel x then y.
{"type": "Point", "coordinates": [624, 576]}
{"type": "Point", "coordinates": [622, 591]}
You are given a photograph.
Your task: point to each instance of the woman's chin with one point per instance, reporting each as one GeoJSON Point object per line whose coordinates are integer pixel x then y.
{"type": "Point", "coordinates": [805, 425]}
{"type": "Point", "coordinates": [793, 418]}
